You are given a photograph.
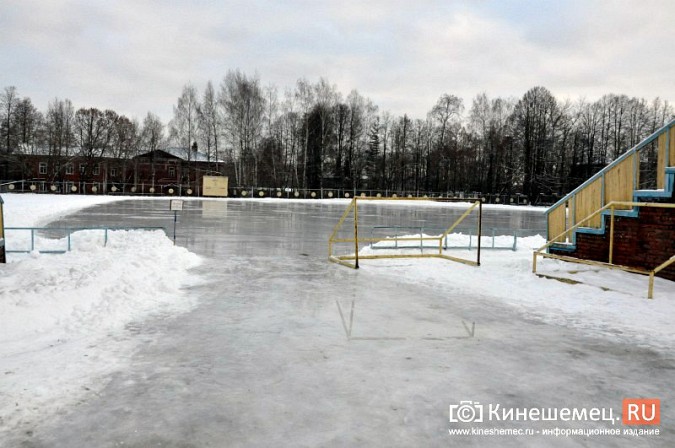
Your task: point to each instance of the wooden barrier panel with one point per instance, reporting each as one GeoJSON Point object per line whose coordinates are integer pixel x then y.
{"type": "Point", "coordinates": [619, 181]}
{"type": "Point", "coordinates": [588, 201]}
{"type": "Point", "coordinates": [662, 155]}
{"type": "Point", "coordinates": [666, 156]}
{"type": "Point", "coordinates": [557, 222]}
{"type": "Point", "coordinates": [215, 186]}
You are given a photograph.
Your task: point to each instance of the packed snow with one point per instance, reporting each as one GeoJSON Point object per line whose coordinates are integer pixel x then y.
{"type": "Point", "coordinates": [609, 303]}
{"type": "Point", "coordinates": [60, 312]}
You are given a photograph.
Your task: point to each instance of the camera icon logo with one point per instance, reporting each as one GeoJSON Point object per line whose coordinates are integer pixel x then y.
{"type": "Point", "coordinates": [466, 412]}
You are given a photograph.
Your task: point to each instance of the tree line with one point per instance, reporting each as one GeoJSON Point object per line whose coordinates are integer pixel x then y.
{"type": "Point", "coordinates": [312, 136]}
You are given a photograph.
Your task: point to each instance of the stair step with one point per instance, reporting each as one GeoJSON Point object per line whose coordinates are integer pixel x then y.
{"type": "Point", "coordinates": [564, 246]}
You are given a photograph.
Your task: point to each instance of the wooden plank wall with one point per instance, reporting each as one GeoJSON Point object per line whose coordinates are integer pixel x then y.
{"type": "Point", "coordinates": [619, 181]}
{"type": "Point", "coordinates": [587, 201]}
{"type": "Point", "coordinates": [661, 161]}
{"type": "Point", "coordinates": [557, 222]}
{"type": "Point", "coordinates": [666, 157]}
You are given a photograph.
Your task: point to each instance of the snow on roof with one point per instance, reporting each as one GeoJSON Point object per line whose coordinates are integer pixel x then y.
{"type": "Point", "coordinates": [182, 153]}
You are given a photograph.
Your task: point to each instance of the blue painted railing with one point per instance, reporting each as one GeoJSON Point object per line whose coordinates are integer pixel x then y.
{"type": "Point", "coordinates": [67, 233]}
{"type": "Point", "coordinates": [393, 233]}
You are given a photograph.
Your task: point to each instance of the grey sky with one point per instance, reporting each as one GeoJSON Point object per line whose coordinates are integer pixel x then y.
{"type": "Point", "coordinates": [134, 56]}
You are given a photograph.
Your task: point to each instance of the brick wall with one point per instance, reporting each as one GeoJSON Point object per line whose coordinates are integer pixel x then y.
{"type": "Point", "coordinates": [642, 242]}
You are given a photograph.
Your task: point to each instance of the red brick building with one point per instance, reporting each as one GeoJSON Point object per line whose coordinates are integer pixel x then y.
{"type": "Point", "coordinates": [169, 171]}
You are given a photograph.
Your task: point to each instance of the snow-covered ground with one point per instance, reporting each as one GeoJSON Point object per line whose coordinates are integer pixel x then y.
{"type": "Point", "coordinates": [59, 313]}
{"type": "Point", "coordinates": [609, 303]}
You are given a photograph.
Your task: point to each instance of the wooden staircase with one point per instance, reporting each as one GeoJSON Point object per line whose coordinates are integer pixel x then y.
{"type": "Point", "coordinates": [610, 220]}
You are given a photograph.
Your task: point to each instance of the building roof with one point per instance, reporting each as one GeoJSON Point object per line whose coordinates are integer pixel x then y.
{"type": "Point", "coordinates": [182, 153]}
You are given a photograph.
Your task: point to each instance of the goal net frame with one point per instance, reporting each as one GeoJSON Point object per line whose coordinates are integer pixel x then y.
{"type": "Point", "coordinates": [352, 260]}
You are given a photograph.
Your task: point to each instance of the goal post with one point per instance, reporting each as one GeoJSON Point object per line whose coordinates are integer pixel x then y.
{"type": "Point", "coordinates": [349, 224]}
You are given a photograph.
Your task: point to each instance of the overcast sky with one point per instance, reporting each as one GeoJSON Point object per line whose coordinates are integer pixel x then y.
{"type": "Point", "coordinates": [134, 56]}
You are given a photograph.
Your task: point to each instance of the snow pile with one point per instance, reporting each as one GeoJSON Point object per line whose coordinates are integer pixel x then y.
{"type": "Point", "coordinates": [599, 301]}
{"type": "Point", "coordinates": [64, 319]}
{"type": "Point", "coordinates": [91, 289]}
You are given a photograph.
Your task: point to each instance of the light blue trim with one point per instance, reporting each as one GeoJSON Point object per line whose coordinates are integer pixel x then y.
{"type": "Point", "coordinates": [564, 247]}
{"type": "Point", "coordinates": [669, 183]}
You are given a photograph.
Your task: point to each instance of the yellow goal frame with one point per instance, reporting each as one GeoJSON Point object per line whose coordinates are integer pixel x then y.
{"type": "Point", "coordinates": [352, 261]}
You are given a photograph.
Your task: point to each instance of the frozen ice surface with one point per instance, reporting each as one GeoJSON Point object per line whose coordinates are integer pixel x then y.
{"type": "Point", "coordinates": [286, 349]}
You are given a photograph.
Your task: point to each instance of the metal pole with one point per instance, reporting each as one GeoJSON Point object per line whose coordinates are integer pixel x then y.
{"type": "Point", "coordinates": [611, 236]}
{"type": "Point", "coordinates": [356, 233]}
{"type": "Point", "coordinates": [534, 262]}
{"type": "Point", "coordinates": [480, 228]}
{"type": "Point", "coordinates": [650, 290]}
{"type": "Point", "coordinates": [175, 217]}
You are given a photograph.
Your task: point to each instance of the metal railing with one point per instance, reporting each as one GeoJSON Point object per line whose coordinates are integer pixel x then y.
{"type": "Point", "coordinates": [617, 182]}
{"type": "Point", "coordinates": [402, 231]}
{"type": "Point", "coordinates": [67, 233]}
{"type": "Point", "coordinates": [612, 207]}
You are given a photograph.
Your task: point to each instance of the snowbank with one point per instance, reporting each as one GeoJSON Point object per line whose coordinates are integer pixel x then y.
{"type": "Point", "coordinates": [91, 289]}
{"type": "Point", "coordinates": [61, 316]}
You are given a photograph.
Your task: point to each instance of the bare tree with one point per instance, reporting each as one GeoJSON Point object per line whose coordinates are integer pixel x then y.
{"type": "Point", "coordinates": [209, 124]}
{"type": "Point", "coordinates": [28, 122]}
{"type": "Point", "coordinates": [58, 137]}
{"type": "Point", "coordinates": [305, 97]}
{"type": "Point", "coordinates": [8, 101]}
{"type": "Point", "coordinates": [243, 103]}
{"type": "Point", "coordinates": [151, 139]}
{"type": "Point", "coordinates": [94, 131]}
{"type": "Point", "coordinates": [447, 107]}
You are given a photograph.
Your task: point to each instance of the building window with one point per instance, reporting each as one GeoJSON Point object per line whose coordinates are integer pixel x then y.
{"type": "Point", "coordinates": [113, 172]}
{"type": "Point", "coordinates": [172, 171]}
{"type": "Point", "coordinates": [43, 167]}
{"type": "Point", "coordinates": [69, 168]}
{"type": "Point", "coordinates": [82, 168]}
{"type": "Point", "coordinates": [96, 170]}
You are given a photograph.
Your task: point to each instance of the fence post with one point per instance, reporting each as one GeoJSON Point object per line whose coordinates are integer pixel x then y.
{"type": "Point", "coordinates": [356, 233]}
{"type": "Point", "coordinates": [611, 235]}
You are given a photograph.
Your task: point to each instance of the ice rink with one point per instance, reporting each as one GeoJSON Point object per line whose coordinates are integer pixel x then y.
{"type": "Point", "coordinates": [287, 349]}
